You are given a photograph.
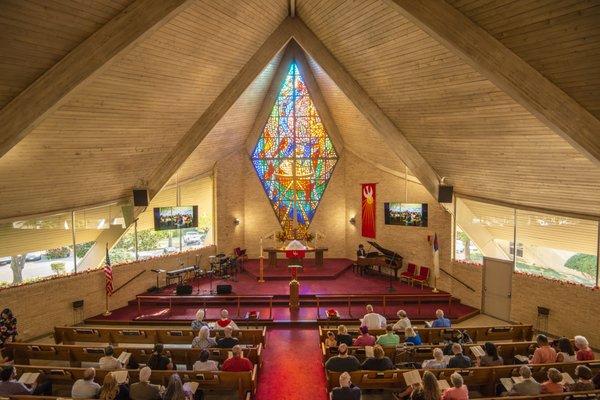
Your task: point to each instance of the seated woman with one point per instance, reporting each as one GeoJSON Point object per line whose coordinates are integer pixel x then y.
{"type": "Point", "coordinates": [203, 340]}
{"type": "Point", "coordinates": [204, 364]}
{"type": "Point", "coordinates": [199, 321]}
{"type": "Point", "coordinates": [175, 390]}
{"type": "Point", "coordinates": [584, 352]}
{"type": "Point", "coordinates": [365, 339]}
{"type": "Point", "coordinates": [491, 357]}
{"type": "Point", "coordinates": [565, 351]}
{"type": "Point", "coordinates": [583, 380]}
{"type": "Point", "coordinates": [343, 336]}
{"type": "Point", "coordinates": [410, 336]}
{"type": "Point", "coordinates": [553, 384]}
{"type": "Point", "coordinates": [429, 389]}
{"type": "Point", "coordinates": [438, 361]}
{"type": "Point", "coordinates": [378, 363]}
{"type": "Point", "coordinates": [458, 391]}
{"type": "Point", "coordinates": [111, 390]}
{"type": "Point", "coordinates": [330, 340]}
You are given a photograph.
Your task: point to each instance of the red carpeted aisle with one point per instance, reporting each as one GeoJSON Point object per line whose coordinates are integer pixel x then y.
{"type": "Point", "coordinates": [292, 366]}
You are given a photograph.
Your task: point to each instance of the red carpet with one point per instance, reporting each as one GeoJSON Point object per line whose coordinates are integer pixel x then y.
{"type": "Point", "coordinates": [292, 366]}
{"type": "Point", "coordinates": [330, 270]}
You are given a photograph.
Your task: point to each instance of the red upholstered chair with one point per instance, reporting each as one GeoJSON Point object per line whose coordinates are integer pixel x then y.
{"type": "Point", "coordinates": [411, 270]}
{"type": "Point", "coordinates": [423, 276]}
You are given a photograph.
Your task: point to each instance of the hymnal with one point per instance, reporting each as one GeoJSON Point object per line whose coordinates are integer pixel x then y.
{"type": "Point", "coordinates": [412, 377]}
{"type": "Point", "coordinates": [29, 378]}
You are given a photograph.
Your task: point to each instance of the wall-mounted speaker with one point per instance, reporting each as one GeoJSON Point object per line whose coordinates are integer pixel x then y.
{"type": "Point", "coordinates": [223, 289]}
{"type": "Point", "coordinates": [445, 194]}
{"type": "Point", "coordinates": [77, 304]}
{"type": "Point", "coordinates": [140, 198]}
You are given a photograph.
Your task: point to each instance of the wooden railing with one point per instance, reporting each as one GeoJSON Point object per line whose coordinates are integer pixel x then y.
{"type": "Point", "coordinates": [204, 301]}
{"type": "Point", "coordinates": [383, 298]}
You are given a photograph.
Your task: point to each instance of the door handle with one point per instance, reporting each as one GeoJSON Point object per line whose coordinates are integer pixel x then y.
{"type": "Point", "coordinates": [509, 295]}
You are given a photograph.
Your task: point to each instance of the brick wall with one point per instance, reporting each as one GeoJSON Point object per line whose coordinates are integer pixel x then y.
{"type": "Point", "coordinates": [41, 306]}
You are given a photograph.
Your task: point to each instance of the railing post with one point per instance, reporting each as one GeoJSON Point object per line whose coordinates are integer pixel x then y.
{"type": "Point", "coordinates": [139, 307]}
{"type": "Point", "coordinates": [170, 305]}
{"type": "Point", "coordinates": [271, 307]}
{"type": "Point", "coordinates": [383, 304]}
{"type": "Point", "coordinates": [349, 306]}
{"type": "Point", "coordinates": [419, 305]}
{"type": "Point", "coordinates": [238, 306]}
{"type": "Point", "coordinates": [318, 308]}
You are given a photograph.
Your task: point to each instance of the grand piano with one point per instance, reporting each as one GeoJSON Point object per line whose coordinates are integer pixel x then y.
{"type": "Point", "coordinates": [381, 258]}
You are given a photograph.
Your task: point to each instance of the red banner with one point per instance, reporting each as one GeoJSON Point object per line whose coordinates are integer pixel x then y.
{"type": "Point", "coordinates": [368, 210]}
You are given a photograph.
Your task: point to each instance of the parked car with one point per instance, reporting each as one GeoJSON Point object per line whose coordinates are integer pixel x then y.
{"type": "Point", "coordinates": [34, 256]}
{"type": "Point", "coordinates": [168, 250]}
{"type": "Point", "coordinates": [192, 237]}
{"type": "Point", "coordinates": [5, 260]}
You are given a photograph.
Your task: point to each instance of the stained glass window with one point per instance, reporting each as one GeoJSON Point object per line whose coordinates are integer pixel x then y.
{"type": "Point", "coordinates": [294, 157]}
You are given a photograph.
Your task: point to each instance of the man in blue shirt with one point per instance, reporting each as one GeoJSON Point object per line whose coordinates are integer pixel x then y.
{"type": "Point", "coordinates": [441, 321]}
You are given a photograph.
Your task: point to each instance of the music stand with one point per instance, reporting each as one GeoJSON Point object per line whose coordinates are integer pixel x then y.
{"type": "Point", "coordinates": [157, 271]}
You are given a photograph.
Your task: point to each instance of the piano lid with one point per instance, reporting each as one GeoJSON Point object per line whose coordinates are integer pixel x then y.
{"type": "Point", "coordinates": [387, 253]}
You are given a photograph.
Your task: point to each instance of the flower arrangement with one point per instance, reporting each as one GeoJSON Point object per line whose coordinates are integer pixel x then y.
{"type": "Point", "coordinates": [252, 314]}
{"type": "Point", "coordinates": [332, 313]}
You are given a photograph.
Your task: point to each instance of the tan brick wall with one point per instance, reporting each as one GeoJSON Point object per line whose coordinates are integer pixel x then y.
{"type": "Point", "coordinates": [229, 180]}
{"type": "Point", "coordinates": [472, 276]}
{"type": "Point", "coordinates": [410, 242]}
{"type": "Point", "coordinates": [41, 306]}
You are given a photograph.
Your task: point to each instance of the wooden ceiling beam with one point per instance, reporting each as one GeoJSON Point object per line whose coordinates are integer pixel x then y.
{"type": "Point", "coordinates": [213, 114]}
{"type": "Point", "coordinates": [84, 62]}
{"type": "Point", "coordinates": [418, 166]}
{"type": "Point", "coordinates": [507, 71]}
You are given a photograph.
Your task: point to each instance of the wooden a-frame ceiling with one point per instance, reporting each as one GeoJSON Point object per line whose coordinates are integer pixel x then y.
{"type": "Point", "coordinates": [402, 88]}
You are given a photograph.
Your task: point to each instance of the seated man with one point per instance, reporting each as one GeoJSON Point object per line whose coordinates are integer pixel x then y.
{"type": "Point", "coordinates": [372, 320]}
{"type": "Point", "coordinates": [237, 363]}
{"type": "Point", "coordinates": [346, 391]}
{"type": "Point", "coordinates": [361, 252]}
{"type": "Point", "coordinates": [228, 341]}
{"type": "Point", "coordinates": [144, 390]}
{"type": "Point", "coordinates": [9, 386]}
{"type": "Point", "coordinates": [364, 339]}
{"type": "Point", "coordinates": [459, 360]}
{"type": "Point", "coordinates": [378, 363]}
{"type": "Point", "coordinates": [528, 387]}
{"type": "Point", "coordinates": [544, 354]}
{"type": "Point", "coordinates": [403, 321]}
{"type": "Point", "coordinates": [109, 362]}
{"type": "Point", "coordinates": [225, 321]}
{"type": "Point", "coordinates": [158, 360]}
{"type": "Point", "coordinates": [390, 339]}
{"type": "Point", "coordinates": [86, 388]}
{"type": "Point", "coordinates": [342, 362]}
{"type": "Point", "coordinates": [441, 321]}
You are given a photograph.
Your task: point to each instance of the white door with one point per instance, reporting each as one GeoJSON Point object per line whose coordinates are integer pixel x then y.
{"type": "Point", "coordinates": [497, 284]}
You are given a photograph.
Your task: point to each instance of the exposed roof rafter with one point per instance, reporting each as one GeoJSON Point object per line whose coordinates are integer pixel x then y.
{"type": "Point", "coordinates": [89, 58]}
{"type": "Point", "coordinates": [357, 95]}
{"type": "Point", "coordinates": [211, 116]}
{"type": "Point", "coordinates": [507, 71]}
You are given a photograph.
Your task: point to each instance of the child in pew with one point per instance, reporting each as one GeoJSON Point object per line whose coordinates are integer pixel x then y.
{"type": "Point", "coordinates": [330, 340]}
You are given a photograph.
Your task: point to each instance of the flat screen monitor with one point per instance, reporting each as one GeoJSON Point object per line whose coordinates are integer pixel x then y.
{"type": "Point", "coordinates": [181, 217]}
{"type": "Point", "coordinates": [406, 214]}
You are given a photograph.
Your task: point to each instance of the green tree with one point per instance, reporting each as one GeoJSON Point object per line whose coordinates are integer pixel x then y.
{"type": "Point", "coordinates": [585, 263]}
{"type": "Point", "coordinates": [81, 249]}
{"type": "Point", "coordinates": [466, 240]}
{"type": "Point", "coordinates": [119, 255]}
{"type": "Point", "coordinates": [58, 267]}
{"type": "Point", "coordinates": [17, 264]}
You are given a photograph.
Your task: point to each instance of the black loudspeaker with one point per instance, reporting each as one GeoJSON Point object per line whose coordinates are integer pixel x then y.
{"type": "Point", "coordinates": [77, 304]}
{"type": "Point", "coordinates": [140, 197]}
{"type": "Point", "coordinates": [184, 290]}
{"type": "Point", "coordinates": [445, 194]}
{"type": "Point", "coordinates": [223, 289]}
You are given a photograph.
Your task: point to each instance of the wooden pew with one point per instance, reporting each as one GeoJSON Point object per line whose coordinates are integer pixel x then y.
{"type": "Point", "coordinates": [482, 378]}
{"type": "Point", "coordinates": [241, 382]}
{"type": "Point", "coordinates": [72, 334]}
{"type": "Point", "coordinates": [418, 354]}
{"type": "Point", "coordinates": [514, 333]}
{"type": "Point", "coordinates": [76, 354]}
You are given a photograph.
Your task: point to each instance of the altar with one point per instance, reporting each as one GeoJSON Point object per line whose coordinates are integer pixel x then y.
{"type": "Point", "coordinates": [272, 254]}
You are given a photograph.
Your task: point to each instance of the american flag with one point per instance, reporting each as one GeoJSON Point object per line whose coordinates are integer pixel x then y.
{"type": "Point", "coordinates": [108, 275]}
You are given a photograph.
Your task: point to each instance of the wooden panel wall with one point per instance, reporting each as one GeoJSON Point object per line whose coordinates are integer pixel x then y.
{"type": "Point", "coordinates": [36, 34]}
{"type": "Point", "coordinates": [123, 123]}
{"type": "Point", "coordinates": [466, 128]}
